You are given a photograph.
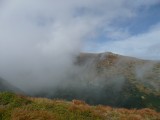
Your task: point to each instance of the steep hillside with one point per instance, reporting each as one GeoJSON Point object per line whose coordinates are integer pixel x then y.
{"type": "Point", "coordinates": [111, 79]}
{"type": "Point", "coordinates": [17, 107]}
{"type": "Point", "coordinates": [5, 86]}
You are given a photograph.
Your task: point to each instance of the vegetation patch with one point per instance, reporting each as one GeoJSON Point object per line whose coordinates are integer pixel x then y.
{"type": "Point", "coordinates": [17, 107]}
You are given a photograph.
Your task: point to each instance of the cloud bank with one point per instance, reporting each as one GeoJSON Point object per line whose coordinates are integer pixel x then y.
{"type": "Point", "coordinates": [39, 38]}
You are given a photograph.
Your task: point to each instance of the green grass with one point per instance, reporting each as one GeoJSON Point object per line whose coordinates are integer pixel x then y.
{"type": "Point", "coordinates": [17, 107]}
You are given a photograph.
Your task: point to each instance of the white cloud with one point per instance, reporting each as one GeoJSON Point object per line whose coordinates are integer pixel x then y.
{"type": "Point", "coordinates": [146, 45]}
{"type": "Point", "coordinates": [39, 37]}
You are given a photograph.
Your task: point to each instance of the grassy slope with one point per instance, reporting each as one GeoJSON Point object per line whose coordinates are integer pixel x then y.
{"type": "Point", "coordinates": [140, 92]}
{"type": "Point", "coordinates": [17, 107]}
{"type": "Point", "coordinates": [136, 92]}
{"type": "Point", "coordinates": [113, 80]}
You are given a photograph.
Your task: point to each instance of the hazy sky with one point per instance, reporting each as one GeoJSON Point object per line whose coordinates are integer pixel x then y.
{"type": "Point", "coordinates": [38, 38]}
{"type": "Point", "coordinates": [124, 26]}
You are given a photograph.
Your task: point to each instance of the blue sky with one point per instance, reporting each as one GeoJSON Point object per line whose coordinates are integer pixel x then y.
{"type": "Point", "coordinates": [144, 20]}
{"type": "Point", "coordinates": [142, 23]}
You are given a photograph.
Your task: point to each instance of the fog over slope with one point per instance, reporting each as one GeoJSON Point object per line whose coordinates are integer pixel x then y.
{"type": "Point", "coordinates": [110, 79]}
{"type": "Point", "coordinates": [5, 86]}
{"type": "Point", "coordinates": [39, 39]}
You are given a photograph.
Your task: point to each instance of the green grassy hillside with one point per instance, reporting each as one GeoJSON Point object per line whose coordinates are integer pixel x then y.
{"type": "Point", "coordinates": [17, 107]}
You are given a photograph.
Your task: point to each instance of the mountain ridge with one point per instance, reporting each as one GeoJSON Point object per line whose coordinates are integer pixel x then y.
{"type": "Point", "coordinates": [110, 79]}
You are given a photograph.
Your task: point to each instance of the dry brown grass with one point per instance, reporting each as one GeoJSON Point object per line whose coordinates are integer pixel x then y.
{"type": "Point", "coordinates": [82, 108]}
{"type": "Point", "coordinates": [78, 105]}
{"type": "Point", "coordinates": [126, 114]}
{"type": "Point", "coordinates": [42, 100]}
{"type": "Point", "coordinates": [47, 109]}
{"type": "Point", "coordinates": [79, 102]}
{"type": "Point", "coordinates": [21, 114]}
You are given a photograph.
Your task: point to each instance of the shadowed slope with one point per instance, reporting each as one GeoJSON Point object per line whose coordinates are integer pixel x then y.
{"type": "Point", "coordinates": [111, 79]}
{"type": "Point", "coordinates": [5, 86]}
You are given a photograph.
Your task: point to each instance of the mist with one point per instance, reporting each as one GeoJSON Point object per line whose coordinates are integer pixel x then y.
{"type": "Point", "coordinates": [39, 39]}
{"type": "Point", "coordinates": [38, 42]}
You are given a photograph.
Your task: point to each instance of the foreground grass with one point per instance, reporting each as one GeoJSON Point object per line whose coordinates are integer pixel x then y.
{"type": "Point", "coordinates": [17, 107]}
